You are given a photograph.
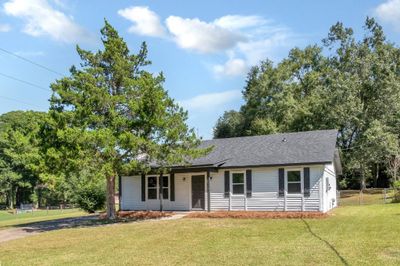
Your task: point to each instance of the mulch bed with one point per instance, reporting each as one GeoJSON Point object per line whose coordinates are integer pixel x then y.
{"type": "Point", "coordinates": [139, 215]}
{"type": "Point", "coordinates": [256, 215]}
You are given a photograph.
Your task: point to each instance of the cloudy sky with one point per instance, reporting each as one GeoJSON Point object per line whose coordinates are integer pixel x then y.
{"type": "Point", "coordinates": [204, 48]}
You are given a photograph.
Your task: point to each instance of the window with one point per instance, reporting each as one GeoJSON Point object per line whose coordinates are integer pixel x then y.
{"type": "Point", "coordinates": [165, 189]}
{"type": "Point", "coordinates": [238, 183]}
{"type": "Point", "coordinates": [293, 182]}
{"type": "Point", "coordinates": [152, 187]}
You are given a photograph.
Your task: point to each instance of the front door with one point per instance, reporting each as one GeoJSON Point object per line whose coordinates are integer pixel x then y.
{"type": "Point", "coordinates": [198, 190]}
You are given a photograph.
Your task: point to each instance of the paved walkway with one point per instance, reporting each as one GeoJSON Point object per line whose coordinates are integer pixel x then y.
{"type": "Point", "coordinates": [83, 221]}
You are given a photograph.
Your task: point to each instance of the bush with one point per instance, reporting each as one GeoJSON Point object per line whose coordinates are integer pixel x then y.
{"type": "Point", "coordinates": [91, 197]}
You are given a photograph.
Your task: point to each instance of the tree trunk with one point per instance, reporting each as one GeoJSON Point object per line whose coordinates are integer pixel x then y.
{"type": "Point", "coordinates": [376, 176]}
{"type": "Point", "coordinates": [111, 197]}
{"type": "Point", "coordinates": [11, 198]}
{"type": "Point", "coordinates": [362, 181]}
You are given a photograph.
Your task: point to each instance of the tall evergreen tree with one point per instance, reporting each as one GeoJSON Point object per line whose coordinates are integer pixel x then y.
{"type": "Point", "coordinates": [116, 114]}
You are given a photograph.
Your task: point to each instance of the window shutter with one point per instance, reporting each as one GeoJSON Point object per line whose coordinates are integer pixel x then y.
{"type": "Point", "coordinates": [249, 186]}
{"type": "Point", "coordinates": [143, 187]}
{"type": "Point", "coordinates": [227, 186]}
{"type": "Point", "coordinates": [281, 182]}
{"type": "Point", "coordinates": [172, 184]}
{"type": "Point", "coordinates": [306, 181]}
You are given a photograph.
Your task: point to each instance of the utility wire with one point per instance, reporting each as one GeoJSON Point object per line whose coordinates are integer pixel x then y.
{"type": "Point", "coordinates": [18, 101]}
{"type": "Point", "coordinates": [24, 81]}
{"type": "Point", "coordinates": [31, 62]}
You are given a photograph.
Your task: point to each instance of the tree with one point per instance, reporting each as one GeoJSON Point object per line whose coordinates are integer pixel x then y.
{"type": "Point", "coordinates": [113, 113]}
{"type": "Point", "coordinates": [394, 167]}
{"type": "Point", "coordinates": [345, 84]}
{"type": "Point", "coordinates": [229, 125]}
{"type": "Point", "coordinates": [19, 154]}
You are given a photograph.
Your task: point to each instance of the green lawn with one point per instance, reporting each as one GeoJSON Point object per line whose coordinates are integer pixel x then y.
{"type": "Point", "coordinates": [9, 220]}
{"type": "Point", "coordinates": [354, 235]}
{"type": "Point", "coordinates": [369, 196]}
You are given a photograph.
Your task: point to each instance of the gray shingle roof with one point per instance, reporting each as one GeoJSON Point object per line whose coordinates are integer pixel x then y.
{"type": "Point", "coordinates": [276, 149]}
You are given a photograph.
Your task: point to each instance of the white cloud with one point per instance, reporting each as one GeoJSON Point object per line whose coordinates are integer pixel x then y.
{"type": "Point", "coordinates": [5, 27]}
{"type": "Point", "coordinates": [245, 39]}
{"type": "Point", "coordinates": [146, 22]}
{"type": "Point", "coordinates": [236, 22]}
{"type": "Point", "coordinates": [210, 101]}
{"type": "Point", "coordinates": [201, 36]}
{"type": "Point", "coordinates": [389, 12]}
{"type": "Point", "coordinates": [257, 50]}
{"type": "Point", "coordinates": [42, 19]}
{"type": "Point", "coordinates": [232, 67]}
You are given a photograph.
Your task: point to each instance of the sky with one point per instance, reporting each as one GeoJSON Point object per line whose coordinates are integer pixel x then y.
{"type": "Point", "coordinates": [204, 48]}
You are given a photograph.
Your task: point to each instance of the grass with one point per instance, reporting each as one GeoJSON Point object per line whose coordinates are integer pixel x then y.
{"type": "Point", "coordinates": [352, 235]}
{"type": "Point", "coordinates": [8, 219]}
{"type": "Point", "coordinates": [369, 196]}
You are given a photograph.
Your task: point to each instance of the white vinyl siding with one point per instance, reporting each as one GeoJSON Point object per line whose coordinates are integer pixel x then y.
{"type": "Point", "coordinates": [265, 196]}
{"type": "Point", "coordinates": [329, 194]}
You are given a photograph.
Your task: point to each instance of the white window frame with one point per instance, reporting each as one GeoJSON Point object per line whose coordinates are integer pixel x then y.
{"type": "Point", "coordinates": [244, 182]}
{"type": "Point", "coordinates": [157, 188]}
{"type": "Point", "coordinates": [287, 181]}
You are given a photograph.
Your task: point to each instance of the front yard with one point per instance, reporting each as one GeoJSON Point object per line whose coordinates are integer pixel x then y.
{"type": "Point", "coordinates": [8, 219]}
{"type": "Point", "coordinates": [353, 235]}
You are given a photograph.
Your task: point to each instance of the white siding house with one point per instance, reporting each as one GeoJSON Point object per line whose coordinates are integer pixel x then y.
{"type": "Point", "coordinates": [306, 186]}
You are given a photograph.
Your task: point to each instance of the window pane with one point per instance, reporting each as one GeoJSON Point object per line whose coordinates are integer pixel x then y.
{"type": "Point", "coordinates": [152, 181]}
{"type": "Point", "coordinates": [238, 189]}
{"type": "Point", "coordinates": [294, 188]}
{"type": "Point", "coordinates": [152, 193]}
{"type": "Point", "coordinates": [165, 181]}
{"type": "Point", "coordinates": [237, 178]}
{"type": "Point", "coordinates": [165, 193]}
{"type": "Point", "coordinates": [293, 176]}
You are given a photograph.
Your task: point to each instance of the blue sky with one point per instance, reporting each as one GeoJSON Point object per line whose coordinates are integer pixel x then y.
{"type": "Point", "coordinates": [204, 48]}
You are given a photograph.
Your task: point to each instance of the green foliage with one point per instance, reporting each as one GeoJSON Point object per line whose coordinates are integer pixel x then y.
{"type": "Point", "coordinates": [345, 84]}
{"type": "Point", "coordinates": [229, 125]}
{"type": "Point", "coordinates": [20, 156]}
{"type": "Point", "coordinates": [114, 114]}
{"type": "Point", "coordinates": [91, 197]}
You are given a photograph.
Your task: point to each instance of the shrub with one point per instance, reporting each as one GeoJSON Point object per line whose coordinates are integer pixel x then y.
{"type": "Point", "coordinates": [91, 197]}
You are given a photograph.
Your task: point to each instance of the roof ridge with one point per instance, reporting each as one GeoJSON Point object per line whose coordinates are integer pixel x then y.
{"type": "Point", "coordinates": [273, 134]}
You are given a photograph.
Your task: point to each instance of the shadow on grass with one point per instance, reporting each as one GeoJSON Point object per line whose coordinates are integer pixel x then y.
{"type": "Point", "coordinates": [62, 223]}
{"type": "Point", "coordinates": [66, 223]}
{"type": "Point", "coordinates": [343, 260]}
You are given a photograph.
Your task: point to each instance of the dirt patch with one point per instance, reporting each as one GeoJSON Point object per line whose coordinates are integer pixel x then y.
{"type": "Point", "coordinates": [139, 215]}
{"type": "Point", "coordinates": [257, 215]}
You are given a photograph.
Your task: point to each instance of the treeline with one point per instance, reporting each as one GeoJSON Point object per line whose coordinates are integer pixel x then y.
{"type": "Point", "coordinates": [26, 174]}
{"type": "Point", "coordinates": [109, 117]}
{"type": "Point", "coordinates": [344, 83]}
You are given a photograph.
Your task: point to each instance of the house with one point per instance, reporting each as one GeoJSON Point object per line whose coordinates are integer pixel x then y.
{"type": "Point", "coordinates": [279, 172]}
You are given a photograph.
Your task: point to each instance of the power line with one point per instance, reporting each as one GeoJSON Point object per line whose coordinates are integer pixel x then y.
{"type": "Point", "coordinates": [31, 62]}
{"type": "Point", "coordinates": [18, 101]}
{"type": "Point", "coordinates": [24, 81]}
